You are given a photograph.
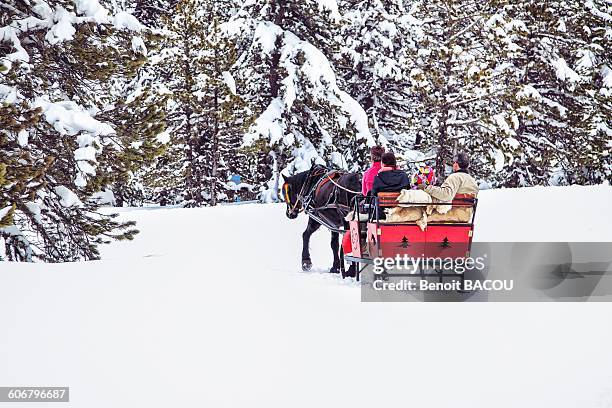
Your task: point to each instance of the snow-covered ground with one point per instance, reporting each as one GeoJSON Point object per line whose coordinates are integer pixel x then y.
{"type": "Point", "coordinates": [208, 308]}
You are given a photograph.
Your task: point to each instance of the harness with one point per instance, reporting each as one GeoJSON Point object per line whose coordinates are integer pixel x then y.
{"type": "Point", "coordinates": [304, 197]}
{"type": "Point", "coordinates": [318, 178]}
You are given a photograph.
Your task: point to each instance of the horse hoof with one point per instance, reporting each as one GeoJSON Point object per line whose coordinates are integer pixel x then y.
{"type": "Point", "coordinates": [306, 266]}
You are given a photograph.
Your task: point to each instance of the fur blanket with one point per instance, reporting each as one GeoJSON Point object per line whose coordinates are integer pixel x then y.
{"type": "Point", "coordinates": [413, 198]}
{"type": "Point", "coordinates": [415, 210]}
{"type": "Point", "coordinates": [421, 217]}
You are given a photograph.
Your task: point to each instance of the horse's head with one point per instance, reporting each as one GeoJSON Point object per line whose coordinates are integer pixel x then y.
{"type": "Point", "coordinates": [292, 199]}
{"type": "Point", "coordinates": [298, 187]}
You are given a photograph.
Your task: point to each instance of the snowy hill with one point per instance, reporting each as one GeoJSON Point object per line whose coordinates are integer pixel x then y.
{"type": "Point", "coordinates": [208, 307]}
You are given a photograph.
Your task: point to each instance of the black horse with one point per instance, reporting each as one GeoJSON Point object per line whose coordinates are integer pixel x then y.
{"type": "Point", "coordinates": [326, 197]}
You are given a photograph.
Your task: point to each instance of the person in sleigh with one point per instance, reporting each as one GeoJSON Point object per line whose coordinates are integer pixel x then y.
{"type": "Point", "coordinates": [459, 182]}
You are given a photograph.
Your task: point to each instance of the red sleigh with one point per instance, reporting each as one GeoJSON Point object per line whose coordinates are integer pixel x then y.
{"type": "Point", "coordinates": [376, 238]}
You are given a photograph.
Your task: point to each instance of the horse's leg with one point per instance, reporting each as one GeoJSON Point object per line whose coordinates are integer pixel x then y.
{"type": "Point", "coordinates": [310, 229]}
{"type": "Point", "coordinates": [335, 246]}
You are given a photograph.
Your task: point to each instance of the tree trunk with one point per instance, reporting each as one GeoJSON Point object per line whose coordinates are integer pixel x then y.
{"type": "Point", "coordinates": [443, 148]}
{"type": "Point", "coordinates": [273, 77]}
{"type": "Point", "coordinates": [215, 153]}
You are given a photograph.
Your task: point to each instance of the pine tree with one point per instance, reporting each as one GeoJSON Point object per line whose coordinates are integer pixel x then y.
{"type": "Point", "coordinates": [206, 116]}
{"type": "Point", "coordinates": [375, 34]}
{"type": "Point", "coordinates": [563, 55]}
{"type": "Point", "coordinates": [139, 120]}
{"type": "Point", "coordinates": [228, 113]}
{"type": "Point", "coordinates": [59, 61]}
{"type": "Point", "coordinates": [460, 82]}
{"type": "Point", "coordinates": [302, 114]}
{"type": "Point", "coordinates": [152, 13]}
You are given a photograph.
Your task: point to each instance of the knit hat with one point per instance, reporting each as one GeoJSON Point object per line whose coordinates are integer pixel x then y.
{"type": "Point", "coordinates": [424, 175]}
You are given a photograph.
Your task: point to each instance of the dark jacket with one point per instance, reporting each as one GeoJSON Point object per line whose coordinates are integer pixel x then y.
{"type": "Point", "coordinates": [390, 181]}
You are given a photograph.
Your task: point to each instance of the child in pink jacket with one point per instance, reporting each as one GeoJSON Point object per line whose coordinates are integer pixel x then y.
{"type": "Point", "coordinates": [376, 153]}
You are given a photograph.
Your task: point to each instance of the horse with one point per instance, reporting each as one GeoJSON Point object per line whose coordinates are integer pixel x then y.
{"type": "Point", "coordinates": [326, 197]}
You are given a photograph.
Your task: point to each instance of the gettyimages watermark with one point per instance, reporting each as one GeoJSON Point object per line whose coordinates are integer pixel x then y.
{"type": "Point", "coordinates": [495, 272]}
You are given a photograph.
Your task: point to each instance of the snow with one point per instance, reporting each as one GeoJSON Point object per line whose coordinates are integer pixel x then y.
{"type": "Point", "coordinates": [389, 27]}
{"type": "Point", "coordinates": [562, 109]}
{"type": "Point", "coordinates": [124, 20]}
{"type": "Point", "coordinates": [163, 137]}
{"type": "Point", "coordinates": [564, 72]}
{"type": "Point", "coordinates": [606, 74]}
{"type": "Point", "coordinates": [35, 210]}
{"type": "Point", "coordinates": [80, 181]}
{"type": "Point", "coordinates": [586, 60]}
{"type": "Point", "coordinates": [139, 46]}
{"type": "Point", "coordinates": [502, 124]}
{"type": "Point", "coordinates": [59, 25]}
{"type": "Point", "coordinates": [9, 34]}
{"type": "Point", "coordinates": [499, 159]}
{"type": "Point", "coordinates": [314, 76]}
{"type": "Point", "coordinates": [4, 211]}
{"type": "Point", "coordinates": [529, 91]}
{"type": "Point", "coordinates": [93, 9]}
{"type": "Point", "coordinates": [22, 138]}
{"type": "Point", "coordinates": [85, 139]}
{"type": "Point", "coordinates": [562, 27]}
{"type": "Point", "coordinates": [68, 198]}
{"type": "Point", "coordinates": [602, 127]}
{"type": "Point", "coordinates": [208, 307]}
{"type": "Point", "coordinates": [331, 6]}
{"type": "Point", "coordinates": [265, 36]}
{"type": "Point", "coordinates": [86, 168]}
{"type": "Point", "coordinates": [63, 29]}
{"type": "Point", "coordinates": [69, 118]}
{"type": "Point", "coordinates": [268, 123]}
{"type": "Point", "coordinates": [85, 153]}
{"type": "Point", "coordinates": [42, 9]}
{"type": "Point", "coordinates": [589, 4]}
{"type": "Point", "coordinates": [106, 197]}
{"type": "Point", "coordinates": [229, 81]}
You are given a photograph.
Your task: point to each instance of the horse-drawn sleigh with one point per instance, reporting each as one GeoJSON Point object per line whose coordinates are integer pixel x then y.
{"type": "Point", "coordinates": [327, 197]}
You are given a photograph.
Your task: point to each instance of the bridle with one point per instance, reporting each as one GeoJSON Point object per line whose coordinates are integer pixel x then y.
{"type": "Point", "coordinates": [306, 187]}
{"type": "Point", "coordinates": [298, 199]}
{"type": "Point", "coordinates": [305, 198]}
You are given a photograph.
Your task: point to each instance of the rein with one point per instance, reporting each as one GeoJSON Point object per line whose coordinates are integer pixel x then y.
{"type": "Point", "coordinates": [342, 188]}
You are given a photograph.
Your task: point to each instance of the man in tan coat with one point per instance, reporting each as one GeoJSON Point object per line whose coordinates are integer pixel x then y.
{"type": "Point", "coordinates": [460, 182]}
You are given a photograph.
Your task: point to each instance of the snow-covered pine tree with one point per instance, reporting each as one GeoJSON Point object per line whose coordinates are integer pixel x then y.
{"type": "Point", "coordinates": [374, 34]}
{"type": "Point", "coordinates": [178, 175]}
{"type": "Point", "coordinates": [561, 57]}
{"type": "Point", "coordinates": [6, 208]}
{"type": "Point", "coordinates": [139, 120]}
{"type": "Point", "coordinates": [314, 21]}
{"type": "Point", "coordinates": [59, 58]}
{"type": "Point", "coordinates": [228, 114]}
{"type": "Point", "coordinates": [152, 12]}
{"type": "Point", "coordinates": [206, 116]}
{"type": "Point", "coordinates": [303, 116]}
{"type": "Point", "coordinates": [460, 81]}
